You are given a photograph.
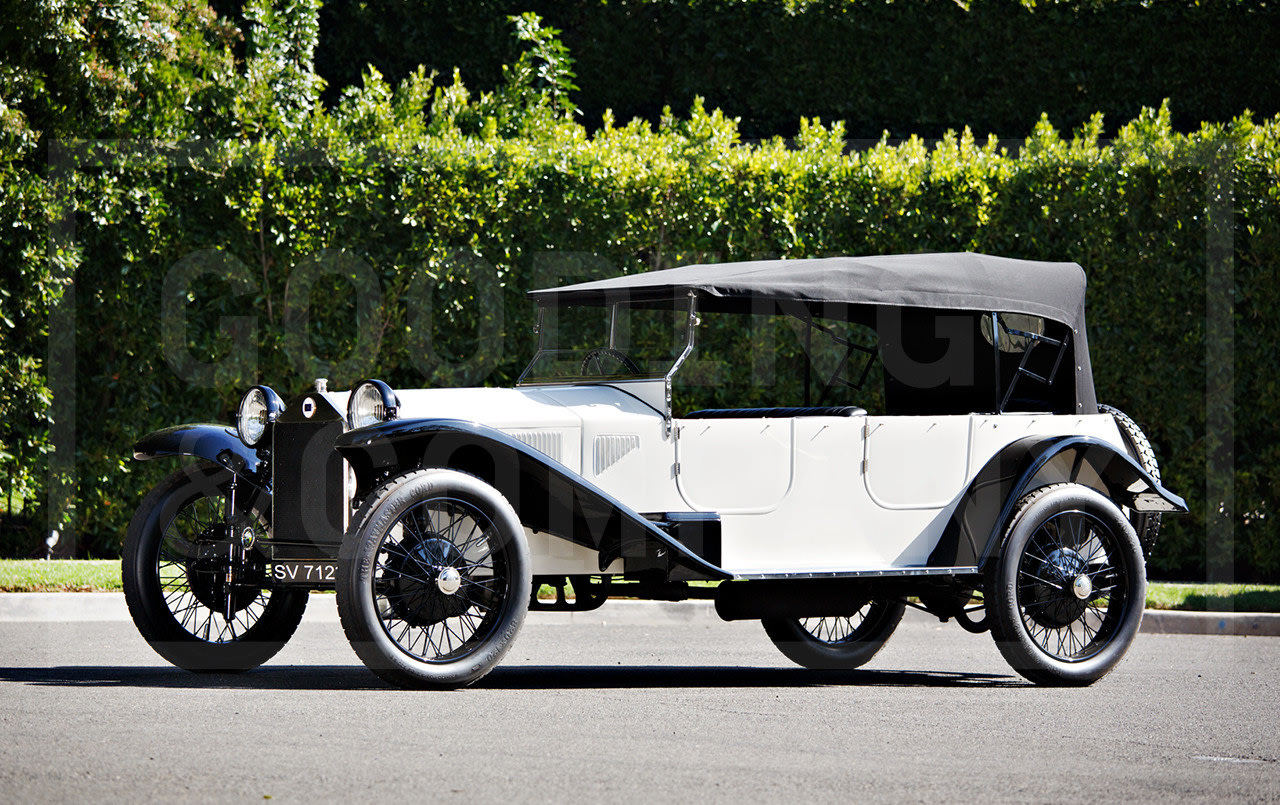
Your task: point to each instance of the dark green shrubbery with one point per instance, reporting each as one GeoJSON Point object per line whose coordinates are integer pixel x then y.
{"type": "Point", "coordinates": [396, 233]}
{"type": "Point", "coordinates": [919, 67]}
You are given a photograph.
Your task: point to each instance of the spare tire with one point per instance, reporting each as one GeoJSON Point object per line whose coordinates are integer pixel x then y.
{"type": "Point", "coordinates": [1146, 525]}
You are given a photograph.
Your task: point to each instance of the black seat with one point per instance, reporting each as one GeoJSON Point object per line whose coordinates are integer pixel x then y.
{"type": "Point", "coordinates": [776, 413]}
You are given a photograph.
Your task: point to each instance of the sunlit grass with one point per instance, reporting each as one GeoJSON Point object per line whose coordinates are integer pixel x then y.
{"type": "Point", "coordinates": [59, 575]}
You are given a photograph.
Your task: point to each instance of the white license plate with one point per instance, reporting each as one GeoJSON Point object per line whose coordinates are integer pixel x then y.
{"type": "Point", "coordinates": [304, 572]}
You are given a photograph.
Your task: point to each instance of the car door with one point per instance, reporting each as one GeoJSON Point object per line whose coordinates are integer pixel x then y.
{"type": "Point", "coordinates": [734, 466]}
{"type": "Point", "coordinates": [916, 462]}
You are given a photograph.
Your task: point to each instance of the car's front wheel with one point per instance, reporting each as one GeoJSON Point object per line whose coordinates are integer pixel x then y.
{"type": "Point", "coordinates": [199, 598]}
{"type": "Point", "coordinates": [836, 643]}
{"type": "Point", "coordinates": [1066, 594]}
{"type": "Point", "coordinates": [433, 579]}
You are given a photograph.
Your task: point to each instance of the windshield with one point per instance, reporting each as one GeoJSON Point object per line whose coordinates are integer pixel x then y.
{"type": "Point", "coordinates": [619, 342]}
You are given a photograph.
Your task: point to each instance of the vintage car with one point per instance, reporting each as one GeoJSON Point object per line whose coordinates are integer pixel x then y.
{"type": "Point", "coordinates": [922, 431]}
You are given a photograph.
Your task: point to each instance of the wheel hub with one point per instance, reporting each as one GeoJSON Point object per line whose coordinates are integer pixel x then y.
{"type": "Point", "coordinates": [449, 580]}
{"type": "Point", "coordinates": [426, 582]}
{"type": "Point", "coordinates": [207, 574]}
{"type": "Point", "coordinates": [1063, 589]}
{"type": "Point", "coordinates": [1082, 587]}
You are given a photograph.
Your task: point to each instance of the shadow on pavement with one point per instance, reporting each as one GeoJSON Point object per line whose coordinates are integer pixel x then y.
{"type": "Point", "coordinates": [520, 677]}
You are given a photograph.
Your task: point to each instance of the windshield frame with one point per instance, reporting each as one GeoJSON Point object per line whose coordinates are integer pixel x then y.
{"type": "Point", "coordinates": [692, 320]}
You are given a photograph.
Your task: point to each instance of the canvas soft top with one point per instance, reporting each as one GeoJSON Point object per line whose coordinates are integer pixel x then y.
{"type": "Point", "coordinates": [942, 281]}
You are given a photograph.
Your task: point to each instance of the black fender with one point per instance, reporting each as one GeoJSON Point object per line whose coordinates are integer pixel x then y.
{"type": "Point", "coordinates": [977, 525]}
{"type": "Point", "coordinates": [217, 443]}
{"type": "Point", "coordinates": [546, 495]}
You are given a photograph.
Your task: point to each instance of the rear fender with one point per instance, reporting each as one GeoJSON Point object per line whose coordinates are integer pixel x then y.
{"type": "Point", "coordinates": [547, 496]}
{"type": "Point", "coordinates": [217, 443]}
{"type": "Point", "coordinates": [977, 526]}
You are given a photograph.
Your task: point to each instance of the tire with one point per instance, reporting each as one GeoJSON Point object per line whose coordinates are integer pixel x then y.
{"type": "Point", "coordinates": [433, 580]}
{"type": "Point", "coordinates": [836, 644]}
{"type": "Point", "coordinates": [1065, 596]}
{"type": "Point", "coordinates": [174, 567]}
{"type": "Point", "coordinates": [1147, 526]}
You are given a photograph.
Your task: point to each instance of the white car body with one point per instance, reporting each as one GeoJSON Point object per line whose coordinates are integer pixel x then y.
{"type": "Point", "coordinates": [843, 493]}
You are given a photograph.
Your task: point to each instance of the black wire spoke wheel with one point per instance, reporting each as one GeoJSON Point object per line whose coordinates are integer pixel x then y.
{"type": "Point", "coordinates": [194, 564]}
{"type": "Point", "coordinates": [439, 579]}
{"type": "Point", "coordinates": [1070, 590]}
{"type": "Point", "coordinates": [196, 589]}
{"type": "Point", "coordinates": [433, 579]}
{"type": "Point", "coordinates": [1069, 587]}
{"type": "Point", "coordinates": [837, 642]}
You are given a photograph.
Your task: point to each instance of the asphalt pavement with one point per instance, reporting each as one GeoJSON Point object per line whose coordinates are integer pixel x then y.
{"type": "Point", "coordinates": [679, 708]}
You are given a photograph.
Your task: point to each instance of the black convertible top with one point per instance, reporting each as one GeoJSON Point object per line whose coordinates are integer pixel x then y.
{"type": "Point", "coordinates": [957, 281]}
{"type": "Point", "coordinates": [944, 281]}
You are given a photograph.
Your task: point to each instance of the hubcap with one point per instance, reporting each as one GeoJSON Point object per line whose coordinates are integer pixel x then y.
{"type": "Point", "coordinates": [1082, 587]}
{"type": "Point", "coordinates": [449, 580]}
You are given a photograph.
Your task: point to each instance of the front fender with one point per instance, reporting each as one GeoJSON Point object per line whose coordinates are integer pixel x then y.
{"type": "Point", "coordinates": [978, 523]}
{"type": "Point", "coordinates": [545, 494]}
{"type": "Point", "coordinates": [217, 443]}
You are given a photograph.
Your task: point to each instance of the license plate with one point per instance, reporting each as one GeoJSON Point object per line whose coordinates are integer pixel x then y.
{"type": "Point", "coordinates": [304, 572]}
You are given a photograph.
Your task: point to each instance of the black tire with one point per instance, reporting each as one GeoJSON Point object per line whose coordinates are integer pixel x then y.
{"type": "Point", "coordinates": [417, 535]}
{"type": "Point", "coordinates": [836, 644]}
{"type": "Point", "coordinates": [1147, 526]}
{"type": "Point", "coordinates": [174, 569]}
{"type": "Point", "coordinates": [1065, 596]}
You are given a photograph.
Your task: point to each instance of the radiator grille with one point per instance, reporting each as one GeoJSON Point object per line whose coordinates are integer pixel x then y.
{"type": "Point", "coordinates": [308, 491]}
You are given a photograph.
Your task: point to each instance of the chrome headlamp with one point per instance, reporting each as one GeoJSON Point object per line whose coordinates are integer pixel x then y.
{"type": "Point", "coordinates": [259, 407]}
{"type": "Point", "coordinates": [371, 401]}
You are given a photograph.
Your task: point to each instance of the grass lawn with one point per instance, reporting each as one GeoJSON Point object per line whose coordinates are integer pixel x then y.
{"type": "Point", "coordinates": [103, 575]}
{"type": "Point", "coordinates": [59, 575]}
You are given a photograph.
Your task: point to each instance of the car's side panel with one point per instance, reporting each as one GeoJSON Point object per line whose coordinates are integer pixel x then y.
{"type": "Point", "coordinates": [556, 556]}
{"type": "Point", "coordinates": [858, 505]}
{"type": "Point", "coordinates": [548, 496]}
{"type": "Point", "coordinates": [626, 450]}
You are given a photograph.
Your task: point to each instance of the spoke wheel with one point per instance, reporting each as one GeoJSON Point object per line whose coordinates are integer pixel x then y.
{"type": "Point", "coordinates": [836, 643]}
{"type": "Point", "coordinates": [198, 597]}
{"type": "Point", "coordinates": [433, 580]}
{"type": "Point", "coordinates": [1069, 586]}
{"type": "Point", "coordinates": [607, 361]}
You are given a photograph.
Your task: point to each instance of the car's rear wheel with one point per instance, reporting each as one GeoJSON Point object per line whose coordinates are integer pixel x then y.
{"type": "Point", "coordinates": [433, 580]}
{"type": "Point", "coordinates": [836, 643]}
{"type": "Point", "coordinates": [1066, 594]}
{"type": "Point", "coordinates": [197, 596]}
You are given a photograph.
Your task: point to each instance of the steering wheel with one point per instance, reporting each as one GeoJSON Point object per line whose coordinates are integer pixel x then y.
{"type": "Point", "coordinates": [598, 360]}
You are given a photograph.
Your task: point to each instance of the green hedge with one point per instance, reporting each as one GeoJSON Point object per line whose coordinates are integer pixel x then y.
{"type": "Point", "coordinates": [396, 234]}
{"type": "Point", "coordinates": [919, 67]}
{"type": "Point", "coordinates": [409, 253]}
